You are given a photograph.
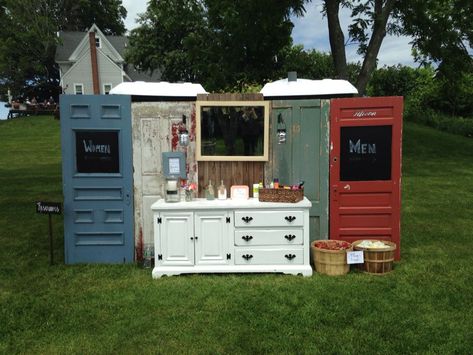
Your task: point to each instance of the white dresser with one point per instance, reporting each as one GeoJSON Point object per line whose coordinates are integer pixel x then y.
{"type": "Point", "coordinates": [231, 236]}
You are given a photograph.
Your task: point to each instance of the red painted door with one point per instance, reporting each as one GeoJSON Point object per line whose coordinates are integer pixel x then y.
{"type": "Point", "coordinates": [365, 169]}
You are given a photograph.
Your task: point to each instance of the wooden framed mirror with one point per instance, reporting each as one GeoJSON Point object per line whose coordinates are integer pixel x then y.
{"type": "Point", "coordinates": [232, 130]}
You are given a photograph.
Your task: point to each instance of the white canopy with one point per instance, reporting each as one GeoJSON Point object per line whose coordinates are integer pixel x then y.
{"type": "Point", "coordinates": [163, 89]}
{"type": "Point", "coordinates": [307, 87]}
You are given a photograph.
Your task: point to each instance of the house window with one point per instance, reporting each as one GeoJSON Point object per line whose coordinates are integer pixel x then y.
{"type": "Point", "coordinates": [78, 89]}
{"type": "Point", "coordinates": [107, 88]}
{"type": "Point", "coordinates": [97, 42]}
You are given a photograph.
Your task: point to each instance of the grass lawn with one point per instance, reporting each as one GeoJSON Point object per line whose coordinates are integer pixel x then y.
{"type": "Point", "coordinates": [424, 306]}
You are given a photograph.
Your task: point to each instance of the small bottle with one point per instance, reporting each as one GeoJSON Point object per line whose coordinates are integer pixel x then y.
{"type": "Point", "coordinates": [210, 194]}
{"type": "Point", "coordinates": [276, 183]}
{"type": "Point", "coordinates": [222, 191]}
{"type": "Point", "coordinates": [256, 188]}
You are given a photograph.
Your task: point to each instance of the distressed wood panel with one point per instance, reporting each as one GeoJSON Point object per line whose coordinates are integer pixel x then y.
{"type": "Point", "coordinates": [154, 130]}
{"type": "Point", "coordinates": [230, 97]}
{"type": "Point", "coordinates": [232, 173]}
{"type": "Point", "coordinates": [304, 156]}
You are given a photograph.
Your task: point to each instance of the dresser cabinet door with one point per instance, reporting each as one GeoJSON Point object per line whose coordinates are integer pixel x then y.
{"type": "Point", "coordinates": [175, 239]}
{"type": "Point", "coordinates": [211, 238]}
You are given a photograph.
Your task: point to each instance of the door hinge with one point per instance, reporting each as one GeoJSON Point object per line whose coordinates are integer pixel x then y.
{"type": "Point", "coordinates": [159, 220]}
{"type": "Point", "coordinates": [160, 256]}
{"type": "Point", "coordinates": [228, 219]}
{"type": "Point", "coordinates": [229, 256]}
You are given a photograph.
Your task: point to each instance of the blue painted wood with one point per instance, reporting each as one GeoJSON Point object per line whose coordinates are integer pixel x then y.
{"type": "Point", "coordinates": [98, 204]}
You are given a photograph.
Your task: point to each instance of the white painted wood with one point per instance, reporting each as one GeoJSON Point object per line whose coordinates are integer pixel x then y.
{"type": "Point", "coordinates": [307, 87]}
{"type": "Point", "coordinates": [216, 238]}
{"type": "Point", "coordinates": [251, 203]}
{"type": "Point", "coordinates": [268, 218]}
{"type": "Point", "coordinates": [211, 237]}
{"type": "Point", "coordinates": [174, 238]}
{"type": "Point", "coordinates": [253, 237]}
{"type": "Point", "coordinates": [304, 270]}
{"type": "Point", "coordinates": [152, 130]}
{"type": "Point", "coordinates": [269, 256]}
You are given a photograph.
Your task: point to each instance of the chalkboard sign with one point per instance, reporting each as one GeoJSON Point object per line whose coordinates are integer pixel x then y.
{"type": "Point", "coordinates": [365, 153]}
{"type": "Point", "coordinates": [48, 207]}
{"type": "Point", "coordinates": [97, 152]}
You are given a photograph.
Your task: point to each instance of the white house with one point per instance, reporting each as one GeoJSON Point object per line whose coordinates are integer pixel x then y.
{"type": "Point", "coordinates": [93, 63]}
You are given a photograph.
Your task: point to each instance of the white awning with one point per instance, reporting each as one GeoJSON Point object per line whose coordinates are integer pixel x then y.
{"type": "Point", "coordinates": [307, 87]}
{"type": "Point", "coordinates": [161, 89]}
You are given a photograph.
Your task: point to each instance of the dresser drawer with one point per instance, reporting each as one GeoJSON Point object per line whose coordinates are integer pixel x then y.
{"type": "Point", "coordinates": [248, 237]}
{"type": "Point", "coordinates": [269, 218]}
{"type": "Point", "coordinates": [269, 256]}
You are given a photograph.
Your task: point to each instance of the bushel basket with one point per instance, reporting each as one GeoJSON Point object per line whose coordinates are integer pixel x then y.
{"type": "Point", "coordinates": [281, 195]}
{"type": "Point", "coordinates": [330, 262]}
{"type": "Point", "coordinates": [377, 260]}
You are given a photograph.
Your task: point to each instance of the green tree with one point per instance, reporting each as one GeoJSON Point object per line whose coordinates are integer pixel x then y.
{"type": "Point", "coordinates": [441, 30]}
{"type": "Point", "coordinates": [29, 37]}
{"type": "Point", "coordinates": [368, 29]}
{"type": "Point", "coordinates": [219, 43]}
{"type": "Point", "coordinates": [308, 64]}
{"type": "Point", "coordinates": [443, 34]}
{"type": "Point", "coordinates": [171, 36]}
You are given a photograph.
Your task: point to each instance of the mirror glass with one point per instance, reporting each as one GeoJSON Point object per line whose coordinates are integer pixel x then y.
{"type": "Point", "coordinates": [236, 130]}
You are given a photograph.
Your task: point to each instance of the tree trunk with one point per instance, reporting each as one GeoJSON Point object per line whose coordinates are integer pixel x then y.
{"type": "Point", "coordinates": [379, 32]}
{"type": "Point", "coordinates": [337, 39]}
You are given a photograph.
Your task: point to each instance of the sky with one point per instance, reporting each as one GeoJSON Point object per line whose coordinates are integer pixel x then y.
{"type": "Point", "coordinates": [312, 32]}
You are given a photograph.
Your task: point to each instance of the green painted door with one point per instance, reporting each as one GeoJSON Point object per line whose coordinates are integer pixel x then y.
{"type": "Point", "coordinates": [304, 156]}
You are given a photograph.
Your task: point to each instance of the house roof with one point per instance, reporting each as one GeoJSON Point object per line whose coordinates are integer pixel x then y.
{"type": "Point", "coordinates": [68, 43]}
{"type": "Point", "coordinates": [307, 87]}
{"type": "Point", "coordinates": [136, 75]}
{"type": "Point", "coordinates": [71, 39]}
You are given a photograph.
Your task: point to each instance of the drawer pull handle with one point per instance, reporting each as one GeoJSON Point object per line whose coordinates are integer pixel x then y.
{"type": "Point", "coordinates": [247, 256]}
{"type": "Point", "coordinates": [247, 237]}
{"type": "Point", "coordinates": [290, 236]}
{"type": "Point", "coordinates": [247, 219]}
{"type": "Point", "coordinates": [290, 256]}
{"type": "Point", "coordinates": [290, 218]}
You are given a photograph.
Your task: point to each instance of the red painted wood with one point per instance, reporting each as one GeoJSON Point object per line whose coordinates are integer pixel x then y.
{"type": "Point", "coordinates": [366, 209]}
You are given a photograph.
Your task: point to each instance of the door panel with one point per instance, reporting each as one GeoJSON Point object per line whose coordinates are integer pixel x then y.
{"type": "Point", "coordinates": [365, 169]}
{"type": "Point", "coordinates": [97, 178]}
{"type": "Point", "coordinates": [305, 155]}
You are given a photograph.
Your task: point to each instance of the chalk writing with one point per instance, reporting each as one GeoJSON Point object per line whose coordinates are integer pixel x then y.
{"type": "Point", "coordinates": [362, 148]}
{"type": "Point", "coordinates": [48, 207]}
{"type": "Point", "coordinates": [90, 147]}
{"type": "Point", "coordinates": [361, 114]}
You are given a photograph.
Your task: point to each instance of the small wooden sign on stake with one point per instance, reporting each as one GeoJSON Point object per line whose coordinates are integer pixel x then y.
{"type": "Point", "coordinates": [49, 208]}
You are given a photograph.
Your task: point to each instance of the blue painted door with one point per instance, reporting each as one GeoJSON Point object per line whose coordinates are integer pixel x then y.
{"type": "Point", "coordinates": [97, 176]}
